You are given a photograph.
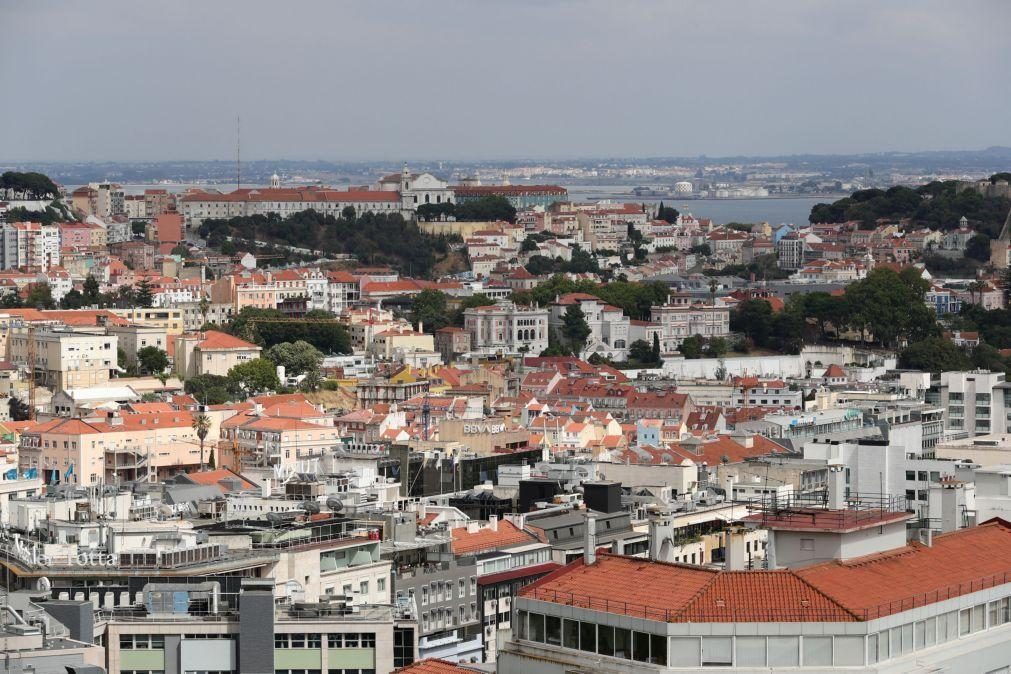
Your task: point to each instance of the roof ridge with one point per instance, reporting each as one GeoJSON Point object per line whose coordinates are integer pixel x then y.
{"type": "Point", "coordinates": [817, 590]}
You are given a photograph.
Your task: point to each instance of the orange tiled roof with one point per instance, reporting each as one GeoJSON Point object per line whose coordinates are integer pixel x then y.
{"type": "Point", "coordinates": [865, 588]}
{"type": "Point", "coordinates": [434, 666]}
{"type": "Point", "coordinates": [465, 542]}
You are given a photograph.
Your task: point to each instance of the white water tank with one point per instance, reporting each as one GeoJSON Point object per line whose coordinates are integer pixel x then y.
{"type": "Point", "coordinates": [683, 187]}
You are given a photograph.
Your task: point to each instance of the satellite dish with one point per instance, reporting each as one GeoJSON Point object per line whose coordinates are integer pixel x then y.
{"type": "Point", "coordinates": [274, 518]}
{"type": "Point", "coordinates": [43, 584]}
{"type": "Point", "coordinates": [310, 507]}
{"type": "Point", "coordinates": [334, 504]}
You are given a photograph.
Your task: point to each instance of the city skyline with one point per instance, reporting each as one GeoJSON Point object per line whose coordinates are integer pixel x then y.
{"type": "Point", "coordinates": [562, 80]}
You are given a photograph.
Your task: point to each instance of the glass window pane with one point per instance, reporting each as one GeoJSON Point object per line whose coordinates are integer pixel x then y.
{"type": "Point", "coordinates": [588, 637]}
{"type": "Point", "coordinates": [848, 651]}
{"type": "Point", "coordinates": [622, 643]}
{"type": "Point", "coordinates": [978, 617]}
{"type": "Point", "coordinates": [751, 651]}
{"type": "Point", "coordinates": [684, 652]}
{"type": "Point", "coordinates": [570, 634]}
{"type": "Point", "coordinates": [605, 640]}
{"type": "Point", "coordinates": [640, 646]}
{"type": "Point", "coordinates": [872, 649]}
{"type": "Point", "coordinates": [717, 651]}
{"type": "Point", "coordinates": [817, 651]}
{"type": "Point", "coordinates": [784, 651]}
{"type": "Point", "coordinates": [930, 631]}
{"type": "Point", "coordinates": [658, 650]}
{"type": "Point", "coordinates": [553, 630]}
{"type": "Point", "coordinates": [537, 627]}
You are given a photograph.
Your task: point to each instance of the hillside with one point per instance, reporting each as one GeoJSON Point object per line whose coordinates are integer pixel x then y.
{"type": "Point", "coordinates": [937, 205]}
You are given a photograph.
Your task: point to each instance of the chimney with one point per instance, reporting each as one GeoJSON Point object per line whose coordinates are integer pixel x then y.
{"type": "Point", "coordinates": [735, 557]}
{"type": "Point", "coordinates": [493, 522]}
{"type": "Point", "coordinates": [590, 540]}
{"type": "Point", "coordinates": [473, 527]}
{"type": "Point", "coordinates": [836, 487]}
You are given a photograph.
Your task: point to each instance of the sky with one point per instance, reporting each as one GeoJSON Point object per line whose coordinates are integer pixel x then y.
{"type": "Point", "coordinates": [111, 80]}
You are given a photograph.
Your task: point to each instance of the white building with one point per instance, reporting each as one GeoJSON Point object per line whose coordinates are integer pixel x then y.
{"type": "Point", "coordinates": [31, 245]}
{"type": "Point", "coordinates": [416, 189]}
{"type": "Point", "coordinates": [506, 328]}
{"type": "Point", "coordinates": [609, 326]}
{"type": "Point", "coordinates": [682, 317]}
{"type": "Point", "coordinates": [974, 401]}
{"type": "Point", "coordinates": [943, 605]}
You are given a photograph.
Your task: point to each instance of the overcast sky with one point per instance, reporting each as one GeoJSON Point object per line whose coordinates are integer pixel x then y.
{"type": "Point", "coordinates": [484, 79]}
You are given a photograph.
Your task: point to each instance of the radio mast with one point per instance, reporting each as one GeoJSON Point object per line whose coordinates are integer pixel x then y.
{"type": "Point", "coordinates": [238, 155]}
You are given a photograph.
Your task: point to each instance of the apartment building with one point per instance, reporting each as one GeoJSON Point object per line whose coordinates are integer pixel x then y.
{"type": "Point", "coordinates": [682, 317]}
{"type": "Point", "coordinates": [506, 328]}
{"type": "Point", "coordinates": [211, 352]}
{"type": "Point", "coordinates": [609, 327]}
{"type": "Point", "coordinates": [64, 359]}
{"type": "Point", "coordinates": [29, 245]}
{"type": "Point", "coordinates": [111, 449]}
{"type": "Point", "coordinates": [974, 402]}
{"type": "Point", "coordinates": [944, 604]}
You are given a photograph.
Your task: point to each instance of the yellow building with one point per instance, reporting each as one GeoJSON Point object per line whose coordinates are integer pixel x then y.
{"type": "Point", "coordinates": [171, 320]}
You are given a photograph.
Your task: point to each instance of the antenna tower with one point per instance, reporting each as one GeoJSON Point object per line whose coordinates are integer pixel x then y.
{"type": "Point", "coordinates": [238, 155]}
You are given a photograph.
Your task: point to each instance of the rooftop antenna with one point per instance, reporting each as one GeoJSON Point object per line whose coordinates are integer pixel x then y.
{"type": "Point", "coordinates": [238, 155]}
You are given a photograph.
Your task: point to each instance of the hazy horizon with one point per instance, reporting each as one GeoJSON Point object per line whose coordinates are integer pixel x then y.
{"type": "Point", "coordinates": [460, 81]}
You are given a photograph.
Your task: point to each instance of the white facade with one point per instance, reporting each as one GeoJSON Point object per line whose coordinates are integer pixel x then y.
{"type": "Point", "coordinates": [680, 318]}
{"type": "Point", "coordinates": [30, 244]}
{"type": "Point", "coordinates": [507, 328]}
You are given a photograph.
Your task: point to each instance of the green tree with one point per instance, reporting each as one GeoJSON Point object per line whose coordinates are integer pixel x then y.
{"type": "Point", "coordinates": [574, 327]}
{"type": "Point", "coordinates": [641, 352]}
{"type": "Point", "coordinates": [296, 357]}
{"type": "Point", "coordinates": [144, 296]}
{"type": "Point", "coordinates": [891, 307]}
{"type": "Point", "coordinates": [667, 213]}
{"type": "Point", "coordinates": [40, 296]}
{"type": "Point", "coordinates": [691, 346]}
{"type": "Point", "coordinates": [655, 351]}
{"type": "Point", "coordinates": [208, 389]}
{"type": "Point", "coordinates": [978, 248]}
{"type": "Point", "coordinates": [254, 376]}
{"type": "Point", "coordinates": [201, 426]}
{"type": "Point", "coordinates": [92, 291]}
{"type": "Point", "coordinates": [753, 317]}
{"type": "Point", "coordinates": [934, 354]}
{"type": "Point", "coordinates": [701, 249]}
{"type": "Point", "coordinates": [72, 300]}
{"type": "Point", "coordinates": [488, 208]}
{"type": "Point", "coordinates": [29, 186]}
{"type": "Point", "coordinates": [152, 360]}
{"type": "Point", "coordinates": [429, 308]}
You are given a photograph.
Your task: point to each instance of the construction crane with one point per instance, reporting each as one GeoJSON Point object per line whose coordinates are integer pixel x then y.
{"type": "Point", "coordinates": [31, 371]}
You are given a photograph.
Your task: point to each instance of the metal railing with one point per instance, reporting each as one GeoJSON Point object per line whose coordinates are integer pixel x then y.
{"type": "Point", "coordinates": [731, 613]}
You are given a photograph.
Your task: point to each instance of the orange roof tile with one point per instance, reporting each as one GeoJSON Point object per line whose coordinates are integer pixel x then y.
{"type": "Point", "coordinates": [485, 538]}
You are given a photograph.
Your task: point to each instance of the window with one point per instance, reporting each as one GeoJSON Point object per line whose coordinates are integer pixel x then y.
{"type": "Point", "coordinates": [536, 627]}
{"type": "Point", "coordinates": [588, 637]}
{"type": "Point", "coordinates": [817, 651]}
{"type": "Point", "coordinates": [552, 630]}
{"type": "Point", "coordinates": [751, 651]}
{"type": "Point", "coordinates": [807, 544]}
{"type": "Point", "coordinates": [605, 640]}
{"type": "Point", "coordinates": [784, 651]}
{"type": "Point", "coordinates": [622, 643]}
{"type": "Point", "coordinates": [717, 651]}
{"type": "Point", "coordinates": [570, 634]}
{"type": "Point", "coordinates": [381, 584]}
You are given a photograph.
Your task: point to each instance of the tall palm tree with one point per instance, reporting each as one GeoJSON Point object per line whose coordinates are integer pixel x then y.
{"type": "Point", "coordinates": [202, 425]}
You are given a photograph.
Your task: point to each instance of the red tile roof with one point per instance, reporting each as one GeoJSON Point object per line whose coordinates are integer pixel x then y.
{"type": "Point", "coordinates": [435, 666]}
{"type": "Point", "coordinates": [865, 588]}
{"type": "Point", "coordinates": [213, 340]}
{"type": "Point", "coordinates": [485, 538]}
